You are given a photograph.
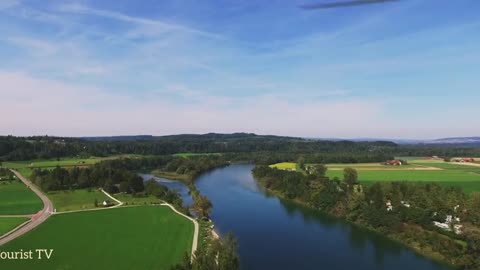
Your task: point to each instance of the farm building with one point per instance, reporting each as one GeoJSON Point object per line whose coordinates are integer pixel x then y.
{"type": "Point", "coordinates": [394, 162]}
{"type": "Point", "coordinates": [463, 160]}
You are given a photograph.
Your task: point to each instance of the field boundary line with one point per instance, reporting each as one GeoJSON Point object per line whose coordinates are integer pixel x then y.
{"type": "Point", "coordinates": [196, 228]}
{"type": "Point", "coordinates": [15, 229]}
{"type": "Point", "coordinates": [15, 216]}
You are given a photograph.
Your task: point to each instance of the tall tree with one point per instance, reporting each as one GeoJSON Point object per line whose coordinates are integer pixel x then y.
{"type": "Point", "coordinates": [350, 176]}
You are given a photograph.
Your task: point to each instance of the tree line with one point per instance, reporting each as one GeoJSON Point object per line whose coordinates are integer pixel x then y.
{"type": "Point", "coordinates": [250, 147]}
{"type": "Point", "coordinates": [415, 207]}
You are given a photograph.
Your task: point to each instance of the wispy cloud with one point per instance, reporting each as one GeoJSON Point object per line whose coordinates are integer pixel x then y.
{"type": "Point", "coordinates": [150, 26]}
{"type": "Point", "coordinates": [5, 4]}
{"type": "Point", "coordinates": [34, 46]}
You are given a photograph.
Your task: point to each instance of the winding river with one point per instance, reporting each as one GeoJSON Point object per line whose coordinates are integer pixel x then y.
{"type": "Point", "coordinates": [278, 234]}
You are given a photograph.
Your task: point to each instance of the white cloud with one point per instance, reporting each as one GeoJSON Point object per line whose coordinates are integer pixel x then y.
{"type": "Point", "coordinates": [49, 107]}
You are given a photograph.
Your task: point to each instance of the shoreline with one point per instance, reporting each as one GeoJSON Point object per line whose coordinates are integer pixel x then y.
{"type": "Point", "coordinates": [399, 241]}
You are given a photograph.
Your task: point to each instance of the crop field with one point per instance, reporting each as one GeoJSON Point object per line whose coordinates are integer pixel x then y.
{"type": "Point", "coordinates": [8, 224]}
{"type": "Point", "coordinates": [418, 170]}
{"type": "Point", "coordinates": [18, 199]}
{"type": "Point", "coordinates": [285, 165]}
{"type": "Point", "coordinates": [80, 199]}
{"type": "Point", "coordinates": [126, 238]}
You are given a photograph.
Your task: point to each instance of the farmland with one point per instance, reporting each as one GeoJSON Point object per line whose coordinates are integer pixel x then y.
{"type": "Point", "coordinates": [144, 237]}
{"type": "Point", "coordinates": [63, 162]}
{"type": "Point", "coordinates": [8, 224]}
{"type": "Point", "coordinates": [17, 199]}
{"type": "Point", "coordinates": [419, 170]}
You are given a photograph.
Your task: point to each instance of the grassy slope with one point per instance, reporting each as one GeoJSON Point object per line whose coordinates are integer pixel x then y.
{"type": "Point", "coordinates": [17, 199]}
{"type": "Point", "coordinates": [145, 237]}
{"type": "Point", "coordinates": [8, 224]}
{"type": "Point", "coordinates": [76, 199]}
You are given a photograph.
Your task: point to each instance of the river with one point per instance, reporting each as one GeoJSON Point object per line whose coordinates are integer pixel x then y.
{"type": "Point", "coordinates": [278, 234]}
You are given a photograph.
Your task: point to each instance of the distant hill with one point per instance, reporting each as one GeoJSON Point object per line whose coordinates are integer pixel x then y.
{"type": "Point", "coordinates": [456, 140]}
{"type": "Point", "coordinates": [449, 141]}
{"type": "Point", "coordinates": [119, 138]}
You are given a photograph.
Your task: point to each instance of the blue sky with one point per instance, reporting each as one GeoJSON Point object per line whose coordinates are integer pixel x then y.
{"type": "Point", "coordinates": [406, 69]}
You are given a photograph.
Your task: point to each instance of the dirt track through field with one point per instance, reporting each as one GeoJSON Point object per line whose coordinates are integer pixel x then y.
{"type": "Point", "coordinates": [423, 168]}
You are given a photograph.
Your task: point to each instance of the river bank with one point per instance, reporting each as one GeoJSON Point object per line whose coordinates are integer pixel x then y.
{"type": "Point", "coordinates": [416, 246]}
{"type": "Point", "coordinates": [275, 234]}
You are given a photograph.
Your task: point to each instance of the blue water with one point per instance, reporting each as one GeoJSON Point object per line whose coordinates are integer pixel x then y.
{"type": "Point", "coordinates": [277, 234]}
{"type": "Point", "coordinates": [175, 185]}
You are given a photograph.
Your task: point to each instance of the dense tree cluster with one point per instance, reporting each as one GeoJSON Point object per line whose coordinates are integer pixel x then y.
{"type": "Point", "coordinates": [6, 175]}
{"type": "Point", "coordinates": [414, 209]}
{"type": "Point", "coordinates": [220, 254]}
{"type": "Point", "coordinates": [121, 174]}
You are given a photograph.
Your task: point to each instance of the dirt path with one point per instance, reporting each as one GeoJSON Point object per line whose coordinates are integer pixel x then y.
{"type": "Point", "coordinates": [423, 168]}
{"type": "Point", "coordinates": [36, 219]}
{"type": "Point", "coordinates": [465, 164]}
{"type": "Point", "coordinates": [113, 198]}
{"type": "Point", "coordinates": [15, 216]}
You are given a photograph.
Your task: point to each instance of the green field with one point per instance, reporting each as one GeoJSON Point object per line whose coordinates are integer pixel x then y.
{"type": "Point", "coordinates": [128, 199]}
{"type": "Point", "coordinates": [8, 224]}
{"type": "Point", "coordinates": [285, 165]}
{"type": "Point", "coordinates": [79, 199]}
{"type": "Point", "coordinates": [127, 238]}
{"type": "Point", "coordinates": [63, 162]}
{"type": "Point", "coordinates": [18, 199]}
{"type": "Point", "coordinates": [418, 170]}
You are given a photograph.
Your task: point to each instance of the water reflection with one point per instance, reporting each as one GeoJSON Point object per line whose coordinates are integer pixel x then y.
{"type": "Point", "coordinates": [175, 185]}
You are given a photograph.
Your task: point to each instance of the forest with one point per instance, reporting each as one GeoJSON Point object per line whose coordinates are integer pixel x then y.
{"type": "Point", "coordinates": [404, 211]}
{"type": "Point", "coordinates": [249, 147]}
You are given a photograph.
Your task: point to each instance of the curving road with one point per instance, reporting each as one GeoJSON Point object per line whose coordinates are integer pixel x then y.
{"type": "Point", "coordinates": [36, 220]}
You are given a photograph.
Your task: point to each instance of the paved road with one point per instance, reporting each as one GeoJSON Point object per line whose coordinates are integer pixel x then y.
{"type": "Point", "coordinates": [37, 219]}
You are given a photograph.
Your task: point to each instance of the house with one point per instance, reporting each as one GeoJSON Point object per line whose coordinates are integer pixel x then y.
{"type": "Point", "coordinates": [457, 228]}
{"type": "Point", "coordinates": [389, 205]}
{"type": "Point", "coordinates": [463, 160]}
{"type": "Point", "coordinates": [405, 203]}
{"type": "Point", "coordinates": [107, 203]}
{"type": "Point", "coordinates": [394, 162]}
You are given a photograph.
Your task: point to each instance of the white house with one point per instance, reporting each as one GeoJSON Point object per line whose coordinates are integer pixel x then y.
{"type": "Point", "coordinates": [389, 206]}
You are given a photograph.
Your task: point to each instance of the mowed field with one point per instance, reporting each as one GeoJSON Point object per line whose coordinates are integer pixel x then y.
{"type": "Point", "coordinates": [126, 238]}
{"type": "Point", "coordinates": [419, 170]}
{"type": "Point", "coordinates": [80, 199]}
{"type": "Point", "coordinates": [17, 199]}
{"type": "Point", "coordinates": [10, 223]}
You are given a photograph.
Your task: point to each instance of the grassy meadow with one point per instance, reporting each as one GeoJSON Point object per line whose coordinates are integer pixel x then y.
{"type": "Point", "coordinates": [129, 199]}
{"type": "Point", "coordinates": [79, 199]}
{"type": "Point", "coordinates": [126, 238]}
{"type": "Point", "coordinates": [418, 170]}
{"type": "Point", "coordinates": [17, 199]}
